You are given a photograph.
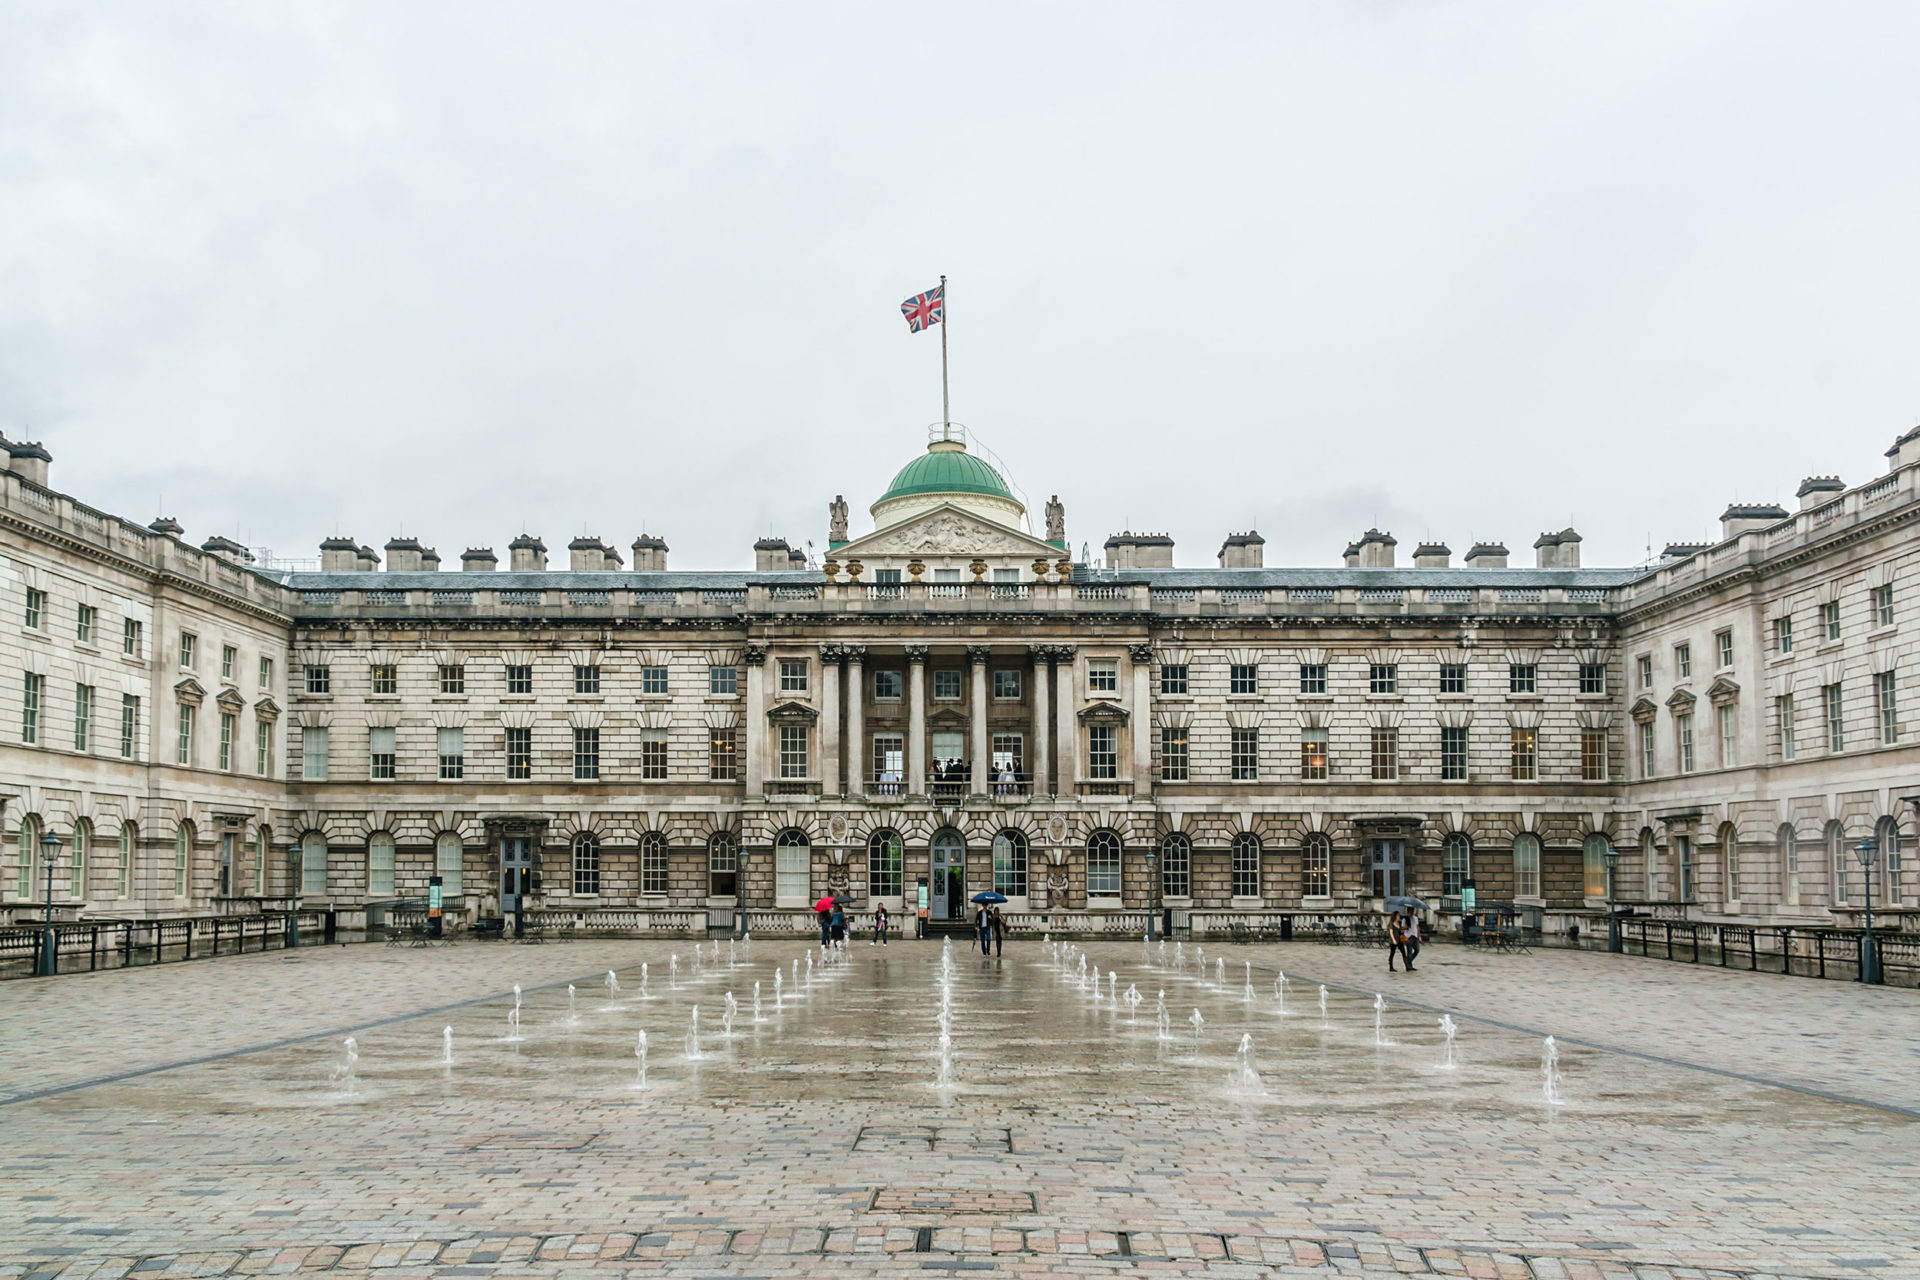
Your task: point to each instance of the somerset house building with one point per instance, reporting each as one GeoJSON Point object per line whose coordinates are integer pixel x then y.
{"type": "Point", "coordinates": [950, 699]}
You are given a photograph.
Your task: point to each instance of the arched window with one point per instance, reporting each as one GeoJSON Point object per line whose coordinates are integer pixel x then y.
{"type": "Point", "coordinates": [1729, 863]}
{"type": "Point", "coordinates": [125, 878]}
{"type": "Point", "coordinates": [1889, 836]}
{"type": "Point", "coordinates": [380, 865]}
{"type": "Point", "coordinates": [1526, 865]}
{"type": "Point", "coordinates": [1837, 859]}
{"type": "Point", "coordinates": [1103, 865]}
{"type": "Point", "coordinates": [1246, 865]}
{"type": "Point", "coordinates": [1456, 863]}
{"type": "Point", "coordinates": [723, 866]}
{"type": "Point", "coordinates": [77, 867]}
{"type": "Point", "coordinates": [792, 869]}
{"type": "Point", "coordinates": [1316, 865]}
{"type": "Point", "coordinates": [1010, 864]}
{"type": "Point", "coordinates": [1176, 866]}
{"type": "Point", "coordinates": [653, 863]}
{"type": "Point", "coordinates": [1789, 842]}
{"type": "Point", "coordinates": [1593, 865]}
{"type": "Point", "coordinates": [182, 854]}
{"type": "Point", "coordinates": [313, 864]}
{"type": "Point", "coordinates": [262, 844]}
{"type": "Point", "coordinates": [29, 851]}
{"type": "Point", "coordinates": [586, 864]}
{"type": "Point", "coordinates": [886, 858]}
{"type": "Point", "coordinates": [450, 862]}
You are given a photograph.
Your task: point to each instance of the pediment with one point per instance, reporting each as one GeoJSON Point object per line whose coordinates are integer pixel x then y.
{"type": "Point", "coordinates": [1643, 708]}
{"type": "Point", "coordinates": [792, 713]}
{"type": "Point", "coordinates": [947, 531]}
{"type": "Point", "coordinates": [189, 691]}
{"type": "Point", "coordinates": [1722, 691]}
{"type": "Point", "coordinates": [266, 709]}
{"type": "Point", "coordinates": [1103, 713]}
{"type": "Point", "coordinates": [230, 701]}
{"type": "Point", "coordinates": [1680, 700]}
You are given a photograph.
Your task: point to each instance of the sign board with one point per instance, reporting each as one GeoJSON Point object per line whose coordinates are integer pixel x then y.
{"type": "Point", "coordinates": [923, 896]}
{"type": "Point", "coordinates": [1466, 896]}
{"type": "Point", "coordinates": [434, 898]}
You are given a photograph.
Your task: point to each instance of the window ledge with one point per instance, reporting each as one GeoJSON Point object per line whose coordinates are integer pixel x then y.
{"type": "Point", "coordinates": [1247, 904]}
{"type": "Point", "coordinates": [85, 647]}
{"type": "Point", "coordinates": [1524, 697]}
{"type": "Point", "coordinates": [1386, 697]}
{"type": "Point", "coordinates": [449, 697]}
{"type": "Point", "coordinates": [1454, 697]}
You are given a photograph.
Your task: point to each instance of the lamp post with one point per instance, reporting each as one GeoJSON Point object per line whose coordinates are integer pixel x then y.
{"type": "Point", "coordinates": [1868, 852]}
{"type": "Point", "coordinates": [49, 854]}
{"type": "Point", "coordinates": [1153, 892]}
{"type": "Point", "coordinates": [1614, 942]}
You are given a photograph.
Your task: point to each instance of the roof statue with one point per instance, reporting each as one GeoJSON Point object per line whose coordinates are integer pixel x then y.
{"type": "Point", "coordinates": [837, 519]}
{"type": "Point", "coordinates": [1056, 520]}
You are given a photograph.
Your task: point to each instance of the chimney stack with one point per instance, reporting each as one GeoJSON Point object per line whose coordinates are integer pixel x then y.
{"type": "Point", "coordinates": [1557, 550]}
{"type": "Point", "coordinates": [1243, 551]}
{"type": "Point", "coordinates": [649, 554]}
{"type": "Point", "coordinates": [1376, 549]}
{"type": "Point", "coordinates": [1818, 491]}
{"type": "Point", "coordinates": [339, 555]}
{"type": "Point", "coordinates": [1739, 518]}
{"type": "Point", "coordinates": [227, 549]}
{"type": "Point", "coordinates": [1905, 450]}
{"type": "Point", "coordinates": [478, 560]}
{"type": "Point", "coordinates": [526, 553]}
{"type": "Point", "coordinates": [28, 460]}
{"type": "Point", "coordinates": [1432, 555]}
{"type": "Point", "coordinates": [586, 553]}
{"type": "Point", "coordinates": [403, 555]}
{"type": "Point", "coordinates": [1487, 555]}
{"type": "Point", "coordinates": [167, 525]}
{"type": "Point", "coordinates": [771, 554]}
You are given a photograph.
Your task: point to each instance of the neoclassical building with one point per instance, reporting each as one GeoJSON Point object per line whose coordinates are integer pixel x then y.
{"type": "Point", "coordinates": [952, 698]}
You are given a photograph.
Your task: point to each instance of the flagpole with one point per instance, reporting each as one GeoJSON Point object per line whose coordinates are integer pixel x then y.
{"type": "Point", "coordinates": [946, 413]}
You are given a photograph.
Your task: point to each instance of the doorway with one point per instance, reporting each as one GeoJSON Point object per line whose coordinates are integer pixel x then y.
{"type": "Point", "coordinates": [948, 890]}
{"type": "Point", "coordinates": [1389, 868]}
{"type": "Point", "coordinates": [516, 872]}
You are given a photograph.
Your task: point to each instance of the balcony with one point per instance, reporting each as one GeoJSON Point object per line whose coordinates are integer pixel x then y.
{"type": "Point", "coordinates": [1105, 788]}
{"type": "Point", "coordinates": [794, 787]}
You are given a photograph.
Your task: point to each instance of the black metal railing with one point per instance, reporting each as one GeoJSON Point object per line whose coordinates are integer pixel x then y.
{"type": "Point", "coordinates": [117, 944]}
{"type": "Point", "coordinates": [1807, 953]}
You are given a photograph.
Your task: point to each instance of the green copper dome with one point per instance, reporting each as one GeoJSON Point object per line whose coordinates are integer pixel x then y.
{"type": "Point", "coordinates": [947, 468]}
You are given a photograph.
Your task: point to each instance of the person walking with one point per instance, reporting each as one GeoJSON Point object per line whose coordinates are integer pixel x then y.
{"type": "Point", "coordinates": [837, 924]}
{"type": "Point", "coordinates": [823, 910]}
{"type": "Point", "coordinates": [879, 924]}
{"type": "Point", "coordinates": [983, 921]}
{"type": "Point", "coordinates": [999, 923]}
{"type": "Point", "coordinates": [1412, 935]}
{"type": "Point", "coordinates": [1396, 941]}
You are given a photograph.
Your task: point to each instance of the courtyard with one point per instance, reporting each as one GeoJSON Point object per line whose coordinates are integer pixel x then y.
{"type": "Point", "coordinates": [203, 1119]}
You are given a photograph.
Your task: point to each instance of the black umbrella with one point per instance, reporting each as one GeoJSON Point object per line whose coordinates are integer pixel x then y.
{"type": "Point", "coordinates": [1403, 902]}
{"type": "Point", "coordinates": [989, 897]}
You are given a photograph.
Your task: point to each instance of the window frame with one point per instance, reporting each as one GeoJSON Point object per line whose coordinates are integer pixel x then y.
{"type": "Point", "coordinates": [1683, 741]}
{"type": "Point", "coordinates": [1243, 679]}
{"type": "Point", "coordinates": [1523, 755]}
{"type": "Point", "coordinates": [1683, 660]}
{"type": "Point", "coordinates": [792, 869]}
{"type": "Point", "coordinates": [723, 755]}
{"type": "Point", "coordinates": [1176, 867]}
{"type": "Point", "coordinates": [382, 766]}
{"type": "Point", "coordinates": [723, 680]}
{"type": "Point", "coordinates": [453, 764]}
{"type": "Point", "coordinates": [1456, 863]}
{"type": "Point", "coordinates": [519, 679]}
{"type": "Point", "coordinates": [1173, 679]}
{"type": "Point", "coordinates": [1005, 679]}
{"type": "Point", "coordinates": [656, 865]}
{"type": "Point", "coordinates": [1313, 679]}
{"type": "Point", "coordinates": [1455, 753]}
{"type": "Point", "coordinates": [1244, 754]}
{"type": "Point", "coordinates": [1103, 675]}
{"type": "Point", "coordinates": [791, 751]}
{"type": "Point", "coordinates": [1523, 678]}
{"type": "Point", "coordinates": [1245, 855]}
{"type": "Point", "coordinates": [1106, 867]}
{"type": "Point", "coordinates": [453, 679]}
{"type": "Point", "coordinates": [1383, 679]}
{"type": "Point", "coordinates": [886, 864]}
{"type": "Point", "coordinates": [1176, 762]}
{"type": "Point", "coordinates": [1453, 679]}
{"type": "Point", "coordinates": [585, 862]}
{"type": "Point", "coordinates": [1723, 648]}
{"type": "Point", "coordinates": [518, 746]}
{"type": "Point", "coordinates": [653, 755]}
{"type": "Point", "coordinates": [1316, 755]}
{"type": "Point", "coordinates": [1103, 751]}
{"type": "Point", "coordinates": [1009, 852]}
{"type": "Point", "coordinates": [1526, 865]}
{"type": "Point", "coordinates": [1316, 865]}
{"type": "Point", "coordinates": [1383, 754]}
{"type": "Point", "coordinates": [586, 754]}
{"type": "Point", "coordinates": [793, 675]}
{"type": "Point", "coordinates": [586, 679]}
{"type": "Point", "coordinates": [723, 861]}
{"type": "Point", "coordinates": [1593, 678]}
{"type": "Point", "coordinates": [1593, 755]}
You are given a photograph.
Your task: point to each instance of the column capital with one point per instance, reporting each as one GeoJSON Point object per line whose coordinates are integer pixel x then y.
{"type": "Point", "coordinates": [1141, 654]}
{"type": "Point", "coordinates": [854, 652]}
{"type": "Point", "coordinates": [756, 655]}
{"type": "Point", "coordinates": [832, 652]}
{"type": "Point", "coordinates": [916, 653]}
{"type": "Point", "coordinates": [979, 655]}
{"type": "Point", "coordinates": [1064, 652]}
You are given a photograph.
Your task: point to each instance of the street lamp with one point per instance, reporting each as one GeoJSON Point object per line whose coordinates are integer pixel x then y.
{"type": "Point", "coordinates": [1868, 851]}
{"type": "Point", "coordinates": [49, 854]}
{"type": "Point", "coordinates": [1614, 942]}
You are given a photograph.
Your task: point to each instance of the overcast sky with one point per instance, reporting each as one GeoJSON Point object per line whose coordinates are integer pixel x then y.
{"type": "Point", "coordinates": [1461, 271]}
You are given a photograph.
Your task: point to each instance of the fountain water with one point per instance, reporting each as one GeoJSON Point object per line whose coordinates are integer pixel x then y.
{"type": "Point", "coordinates": [1179, 955]}
{"type": "Point", "coordinates": [1246, 991]}
{"type": "Point", "coordinates": [572, 1016]}
{"type": "Point", "coordinates": [1379, 1014]}
{"type": "Point", "coordinates": [1447, 1027]}
{"type": "Point", "coordinates": [1198, 1022]}
{"type": "Point", "coordinates": [1549, 1071]}
{"type": "Point", "coordinates": [1323, 1005]}
{"type": "Point", "coordinates": [640, 1052]}
{"type": "Point", "coordinates": [1200, 962]}
{"type": "Point", "coordinates": [730, 952]}
{"type": "Point", "coordinates": [1280, 991]}
{"type": "Point", "coordinates": [1133, 1001]}
{"type": "Point", "coordinates": [1113, 986]}
{"type": "Point", "coordinates": [777, 999]}
{"type": "Point", "coordinates": [643, 981]}
{"type": "Point", "coordinates": [513, 1018]}
{"type": "Point", "coordinates": [613, 985]}
{"type": "Point", "coordinates": [727, 1016]}
{"type": "Point", "coordinates": [809, 968]}
{"type": "Point", "coordinates": [446, 1046]}
{"type": "Point", "coordinates": [1162, 1021]}
{"type": "Point", "coordinates": [693, 1034]}
{"type": "Point", "coordinates": [1220, 972]}
{"type": "Point", "coordinates": [1245, 1077]}
{"type": "Point", "coordinates": [673, 970]}
{"type": "Point", "coordinates": [943, 1071]}
{"type": "Point", "coordinates": [756, 1002]}
{"type": "Point", "coordinates": [342, 1075]}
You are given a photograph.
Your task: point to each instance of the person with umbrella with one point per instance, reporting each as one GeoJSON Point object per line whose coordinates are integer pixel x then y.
{"type": "Point", "coordinates": [988, 921]}
{"type": "Point", "coordinates": [1403, 929]}
{"type": "Point", "coordinates": [823, 909]}
{"type": "Point", "coordinates": [837, 923]}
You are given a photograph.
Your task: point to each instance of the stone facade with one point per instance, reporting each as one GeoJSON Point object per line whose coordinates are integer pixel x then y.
{"type": "Point", "coordinates": [351, 732]}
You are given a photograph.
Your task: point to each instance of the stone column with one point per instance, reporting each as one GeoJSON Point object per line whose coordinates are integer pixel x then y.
{"type": "Point", "coordinates": [916, 783]}
{"type": "Point", "coordinates": [756, 745]}
{"type": "Point", "coordinates": [1140, 722]}
{"type": "Point", "coordinates": [857, 762]}
{"type": "Point", "coordinates": [977, 655]}
{"type": "Point", "coordinates": [829, 719]}
{"type": "Point", "coordinates": [1068, 735]}
{"type": "Point", "coordinates": [1039, 764]}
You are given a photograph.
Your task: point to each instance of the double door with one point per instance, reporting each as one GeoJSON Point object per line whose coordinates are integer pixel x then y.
{"type": "Point", "coordinates": [516, 872]}
{"type": "Point", "coordinates": [1389, 867]}
{"type": "Point", "coordinates": [947, 898]}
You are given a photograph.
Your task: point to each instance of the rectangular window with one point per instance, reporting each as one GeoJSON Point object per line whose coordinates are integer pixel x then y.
{"type": "Point", "coordinates": [1246, 755]}
{"type": "Point", "coordinates": [83, 624]}
{"type": "Point", "coordinates": [1683, 846]}
{"type": "Point", "coordinates": [319, 679]}
{"type": "Point", "coordinates": [129, 725]}
{"type": "Point", "coordinates": [184, 755]}
{"type": "Point", "coordinates": [889, 762]}
{"type": "Point", "coordinates": [1646, 671]}
{"type": "Point", "coordinates": [453, 754]}
{"type": "Point", "coordinates": [723, 756]}
{"type": "Point", "coordinates": [227, 655]}
{"type": "Point", "coordinates": [1683, 661]}
{"type": "Point", "coordinates": [793, 675]}
{"type": "Point", "coordinates": [1646, 749]}
{"type": "Point", "coordinates": [586, 679]}
{"type": "Point", "coordinates": [1453, 677]}
{"type": "Point", "coordinates": [380, 866]}
{"type": "Point", "coordinates": [886, 686]}
{"type": "Point", "coordinates": [449, 860]}
{"type": "Point", "coordinates": [36, 618]}
{"type": "Point", "coordinates": [1522, 677]}
{"type": "Point", "coordinates": [1729, 737]}
{"type": "Point", "coordinates": [653, 863]}
{"type": "Point", "coordinates": [1384, 752]}
{"type": "Point", "coordinates": [381, 753]}
{"type": "Point", "coordinates": [653, 755]}
{"type": "Point", "coordinates": [946, 685]}
{"type": "Point", "coordinates": [263, 747]}
{"type": "Point", "coordinates": [1783, 634]}
{"type": "Point", "coordinates": [1830, 619]}
{"type": "Point", "coordinates": [1456, 864]}
{"type": "Point", "coordinates": [1885, 707]}
{"type": "Point", "coordinates": [1836, 718]}
{"type": "Point", "coordinates": [586, 754]}
{"type": "Point", "coordinates": [227, 725]}
{"type": "Point", "coordinates": [1008, 750]}
{"type": "Point", "coordinates": [1313, 755]}
{"type": "Point", "coordinates": [453, 678]}
{"type": "Point", "coordinates": [30, 709]}
{"type": "Point", "coordinates": [1243, 677]}
{"type": "Point", "coordinates": [266, 674]}
{"type": "Point", "coordinates": [188, 643]}
{"type": "Point", "coordinates": [1173, 678]}
{"type": "Point", "coordinates": [385, 678]}
{"type": "Point", "coordinates": [792, 873]}
{"type": "Point", "coordinates": [1723, 648]}
{"type": "Point", "coordinates": [519, 678]}
{"type": "Point", "coordinates": [723, 681]}
{"type": "Point", "coordinates": [1453, 754]}
{"type": "Point", "coordinates": [1103, 867]}
{"type": "Point", "coordinates": [1593, 677]}
{"type": "Point", "coordinates": [1788, 747]}
{"type": "Point", "coordinates": [1883, 606]}
{"type": "Point", "coordinates": [1103, 755]}
{"type": "Point", "coordinates": [1173, 755]}
{"type": "Point", "coordinates": [1006, 685]}
{"type": "Point", "coordinates": [653, 680]}
{"type": "Point", "coordinates": [1383, 677]}
{"type": "Point", "coordinates": [519, 754]}
{"type": "Point", "coordinates": [793, 751]}
{"type": "Point", "coordinates": [130, 637]}
{"type": "Point", "coordinates": [1246, 867]}
{"type": "Point", "coordinates": [1313, 677]}
{"type": "Point", "coordinates": [1103, 675]}
{"type": "Point", "coordinates": [1593, 755]}
{"type": "Point", "coordinates": [82, 717]}
{"type": "Point", "coordinates": [1683, 734]}
{"type": "Point", "coordinates": [1316, 868]}
{"type": "Point", "coordinates": [1523, 756]}
{"type": "Point", "coordinates": [313, 754]}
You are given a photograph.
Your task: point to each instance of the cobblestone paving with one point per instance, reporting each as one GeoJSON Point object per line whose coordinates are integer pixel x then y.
{"type": "Point", "coordinates": [1077, 1140]}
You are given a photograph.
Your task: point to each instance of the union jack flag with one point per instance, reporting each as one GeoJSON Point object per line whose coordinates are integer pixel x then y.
{"type": "Point", "coordinates": [925, 309]}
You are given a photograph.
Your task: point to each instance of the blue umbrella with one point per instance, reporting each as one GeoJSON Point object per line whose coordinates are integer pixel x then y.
{"type": "Point", "coordinates": [989, 897]}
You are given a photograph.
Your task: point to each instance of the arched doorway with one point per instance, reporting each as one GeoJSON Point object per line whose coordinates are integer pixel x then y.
{"type": "Point", "coordinates": [947, 898]}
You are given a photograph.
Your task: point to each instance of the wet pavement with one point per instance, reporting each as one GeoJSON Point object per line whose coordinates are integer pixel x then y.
{"type": "Point", "coordinates": [196, 1118]}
